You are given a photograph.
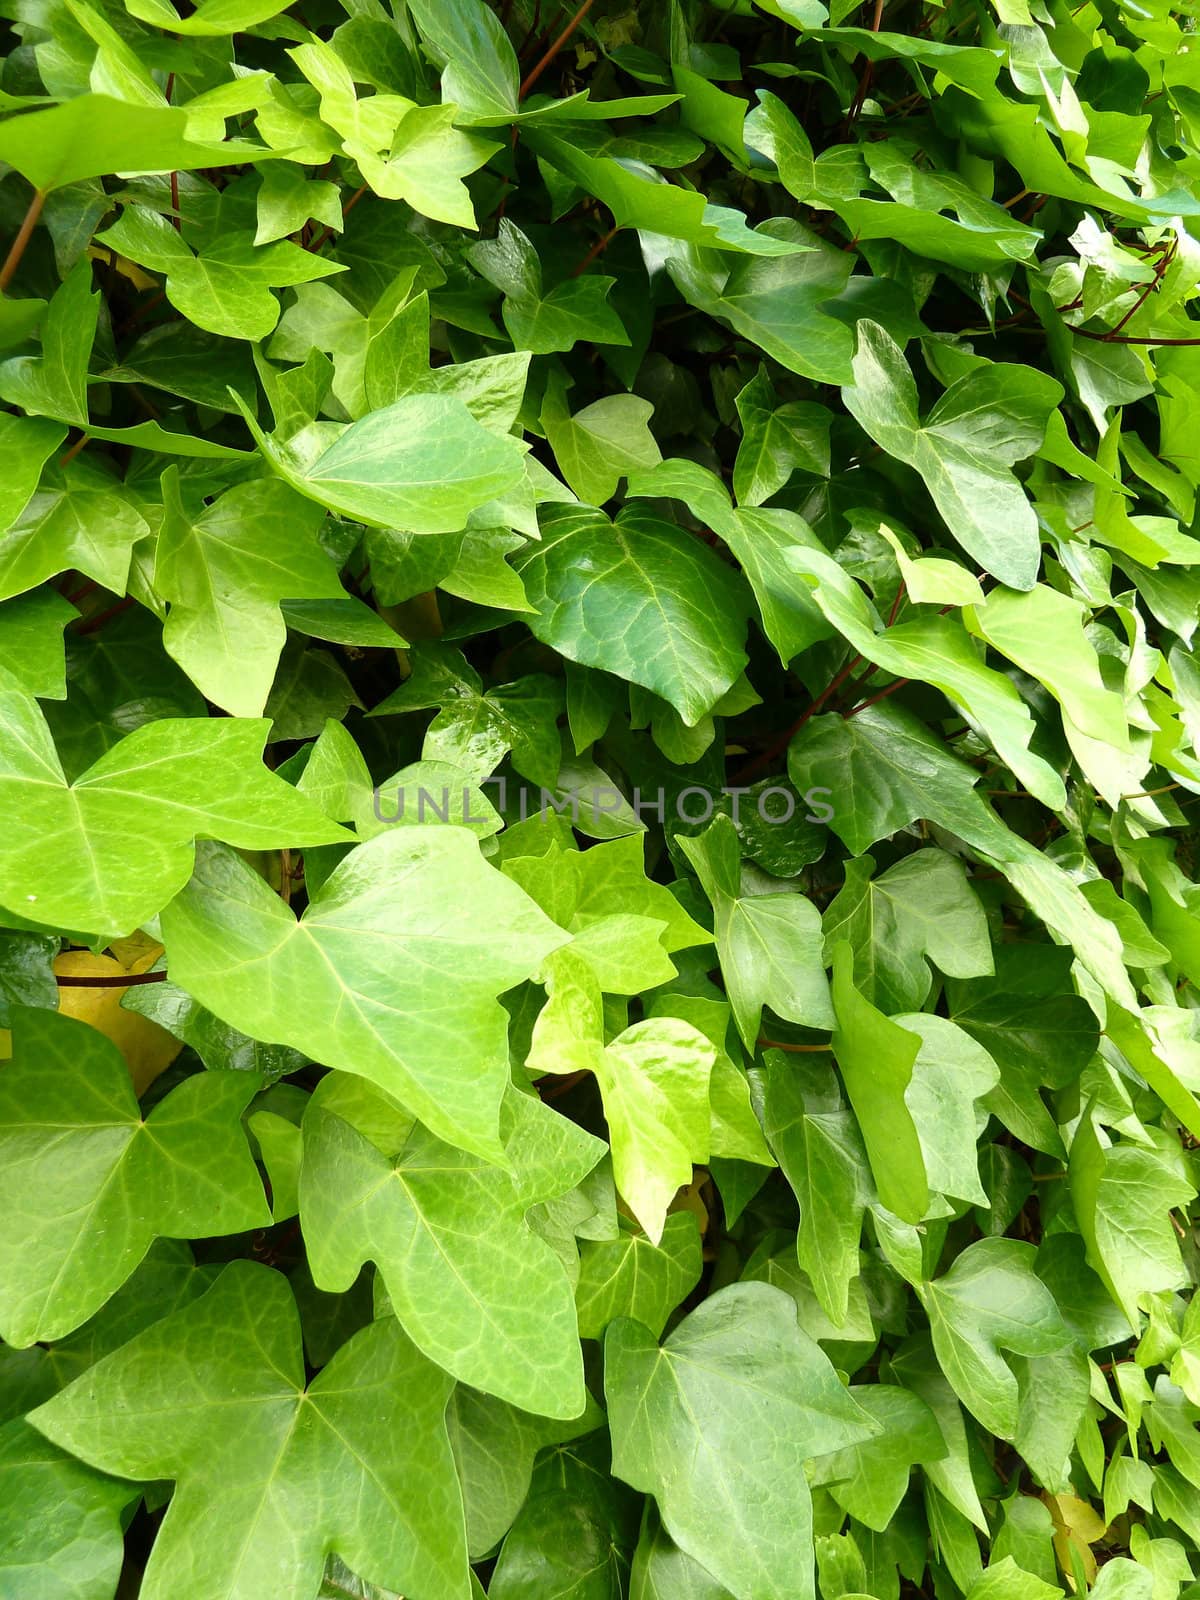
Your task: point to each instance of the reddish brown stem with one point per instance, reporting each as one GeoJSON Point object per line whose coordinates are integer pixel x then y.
{"type": "Point", "coordinates": [764, 760]}
{"type": "Point", "coordinates": [94, 623]}
{"type": "Point", "coordinates": [13, 259]}
{"type": "Point", "coordinates": [1160, 268]}
{"type": "Point", "coordinates": [561, 1086]}
{"type": "Point", "coordinates": [882, 695]}
{"type": "Point", "coordinates": [1123, 338]}
{"type": "Point", "coordinates": [346, 210]}
{"type": "Point", "coordinates": [125, 980]}
{"type": "Point", "coordinates": [535, 72]}
{"type": "Point", "coordinates": [597, 249]}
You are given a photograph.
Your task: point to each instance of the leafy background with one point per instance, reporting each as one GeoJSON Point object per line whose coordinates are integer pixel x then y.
{"type": "Point", "coordinates": [771, 1193]}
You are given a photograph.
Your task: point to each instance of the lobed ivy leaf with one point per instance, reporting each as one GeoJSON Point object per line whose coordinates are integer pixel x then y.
{"type": "Point", "coordinates": [388, 975]}
{"type": "Point", "coordinates": [106, 1181]}
{"type": "Point", "coordinates": [771, 1402]}
{"type": "Point", "coordinates": [109, 850]}
{"type": "Point", "coordinates": [475, 1288]}
{"type": "Point", "coordinates": [298, 1471]}
{"type": "Point", "coordinates": [965, 449]}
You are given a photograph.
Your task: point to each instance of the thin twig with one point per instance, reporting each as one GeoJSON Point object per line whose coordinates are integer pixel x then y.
{"type": "Point", "coordinates": [561, 1085]}
{"type": "Point", "coordinates": [75, 449]}
{"type": "Point", "coordinates": [1123, 338]}
{"type": "Point", "coordinates": [875, 698]}
{"type": "Point", "coordinates": [764, 760]}
{"type": "Point", "coordinates": [532, 76]}
{"type": "Point", "coordinates": [125, 980]}
{"type": "Point", "coordinates": [13, 259]}
{"type": "Point", "coordinates": [346, 210]}
{"type": "Point", "coordinates": [94, 623]}
{"type": "Point", "coordinates": [1160, 268]}
{"type": "Point", "coordinates": [598, 248]}
{"type": "Point", "coordinates": [868, 72]}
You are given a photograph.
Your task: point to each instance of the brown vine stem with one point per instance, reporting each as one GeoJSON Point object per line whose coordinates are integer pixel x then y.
{"type": "Point", "coordinates": [13, 259]}
{"type": "Point", "coordinates": [765, 758]}
{"type": "Point", "coordinates": [1123, 338]}
{"type": "Point", "coordinates": [70, 454]}
{"type": "Point", "coordinates": [1160, 270]}
{"type": "Point", "coordinates": [600, 246]}
{"type": "Point", "coordinates": [561, 1086]}
{"type": "Point", "coordinates": [868, 73]}
{"type": "Point", "coordinates": [875, 698]}
{"type": "Point", "coordinates": [535, 72]}
{"type": "Point", "coordinates": [94, 623]}
{"type": "Point", "coordinates": [346, 210]}
{"type": "Point", "coordinates": [125, 981]}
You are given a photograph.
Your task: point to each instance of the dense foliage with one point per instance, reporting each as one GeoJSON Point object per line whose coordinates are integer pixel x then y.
{"type": "Point", "coordinates": [599, 725]}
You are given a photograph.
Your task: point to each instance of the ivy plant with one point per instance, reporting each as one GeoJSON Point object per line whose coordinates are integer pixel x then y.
{"type": "Point", "coordinates": [599, 725]}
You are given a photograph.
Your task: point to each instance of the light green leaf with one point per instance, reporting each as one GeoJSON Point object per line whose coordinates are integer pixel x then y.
{"type": "Point", "coordinates": [495, 1445]}
{"type": "Point", "coordinates": [87, 1184]}
{"type": "Point", "coordinates": [1123, 1196]}
{"type": "Point", "coordinates": [1005, 1580]}
{"type": "Point", "coordinates": [599, 444]}
{"type": "Point", "coordinates": [475, 1288]}
{"type": "Point", "coordinates": [54, 384]}
{"type": "Point", "coordinates": [32, 649]}
{"type": "Point", "coordinates": [287, 199]}
{"type": "Point", "coordinates": [869, 1479]}
{"type": "Point", "coordinates": [769, 945]}
{"type": "Point", "coordinates": [61, 1532]}
{"type": "Point", "coordinates": [110, 850]}
{"type": "Point", "coordinates": [991, 1300]}
{"type": "Point", "coordinates": [936, 650]}
{"type": "Point", "coordinates": [877, 1059]}
{"type": "Point", "coordinates": [630, 1277]}
{"type": "Point", "coordinates": [817, 1143]}
{"type": "Point", "coordinates": [92, 134]}
{"type": "Point", "coordinates": [80, 517]}
{"type": "Point", "coordinates": [919, 912]}
{"type": "Point", "coordinates": [284, 1493]}
{"type": "Point", "coordinates": [26, 444]}
{"type": "Point", "coordinates": [392, 973]}
{"type": "Point", "coordinates": [654, 1080]}
{"type": "Point", "coordinates": [950, 1074]}
{"type": "Point", "coordinates": [422, 463]}
{"type": "Point", "coordinates": [227, 287]}
{"type": "Point", "coordinates": [224, 572]}
{"type": "Point", "coordinates": [965, 449]}
{"type": "Point", "coordinates": [726, 1413]}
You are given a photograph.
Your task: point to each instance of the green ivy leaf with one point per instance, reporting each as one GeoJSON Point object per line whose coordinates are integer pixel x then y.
{"type": "Point", "coordinates": [991, 1300]}
{"type": "Point", "coordinates": [474, 1287]}
{"type": "Point", "coordinates": [630, 1277]}
{"type": "Point", "coordinates": [354, 981]}
{"type": "Point", "coordinates": [965, 449]}
{"type": "Point", "coordinates": [224, 572]}
{"type": "Point", "coordinates": [389, 1500]}
{"type": "Point", "coordinates": [105, 1181]}
{"type": "Point", "coordinates": [423, 463]}
{"type": "Point", "coordinates": [646, 602]}
{"type": "Point", "coordinates": [168, 782]}
{"type": "Point", "coordinates": [769, 944]}
{"type": "Point", "coordinates": [770, 1400]}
